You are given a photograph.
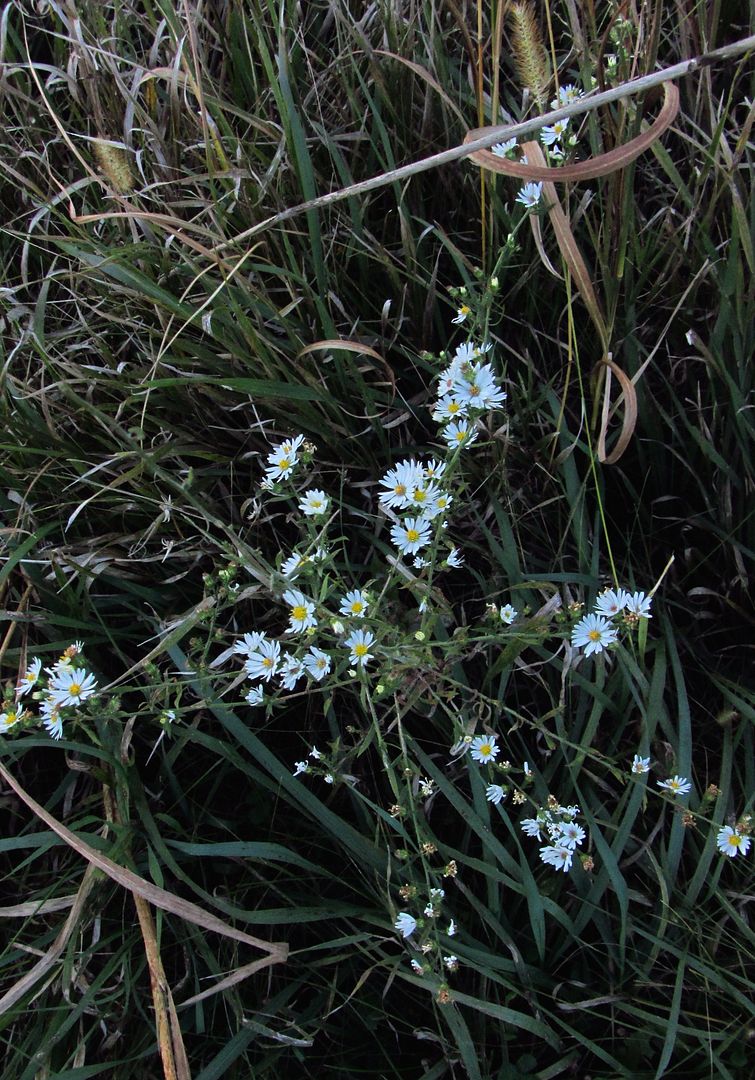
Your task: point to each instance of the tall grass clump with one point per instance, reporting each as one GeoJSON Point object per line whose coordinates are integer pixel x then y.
{"type": "Point", "coordinates": [376, 577]}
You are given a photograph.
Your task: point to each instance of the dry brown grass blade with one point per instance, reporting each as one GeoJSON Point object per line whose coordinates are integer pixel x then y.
{"type": "Point", "coordinates": [43, 965]}
{"type": "Point", "coordinates": [33, 908]}
{"type": "Point", "coordinates": [569, 248]}
{"type": "Point", "coordinates": [176, 905]}
{"type": "Point", "coordinates": [603, 165]}
{"type": "Point", "coordinates": [354, 347]}
{"type": "Point", "coordinates": [629, 421]}
{"type": "Point", "coordinates": [169, 1038]}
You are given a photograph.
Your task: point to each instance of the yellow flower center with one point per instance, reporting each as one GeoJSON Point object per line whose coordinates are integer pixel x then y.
{"type": "Point", "coordinates": [400, 489]}
{"type": "Point", "coordinates": [299, 612]}
{"type": "Point", "coordinates": [10, 718]}
{"type": "Point", "coordinates": [284, 463]}
{"type": "Point", "coordinates": [485, 749]}
{"type": "Point", "coordinates": [320, 663]}
{"type": "Point", "coordinates": [360, 650]}
{"type": "Point", "coordinates": [74, 689]}
{"type": "Point", "coordinates": [357, 607]}
{"type": "Point", "coordinates": [267, 662]}
{"type": "Point", "coordinates": [474, 390]}
{"type": "Point", "coordinates": [30, 677]}
{"type": "Point", "coordinates": [412, 535]}
{"type": "Point", "coordinates": [420, 495]}
{"type": "Point", "coordinates": [735, 840]}
{"type": "Point", "coordinates": [464, 310]}
{"type": "Point", "coordinates": [454, 407]}
{"type": "Point", "coordinates": [461, 435]}
{"type": "Point", "coordinates": [594, 635]}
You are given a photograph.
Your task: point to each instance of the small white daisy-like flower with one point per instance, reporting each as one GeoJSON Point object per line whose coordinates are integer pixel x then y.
{"type": "Point", "coordinates": [459, 433]}
{"type": "Point", "coordinates": [494, 793]}
{"type": "Point", "coordinates": [434, 469]}
{"type": "Point", "coordinates": [451, 931]}
{"type": "Point", "coordinates": [508, 614]}
{"type": "Point", "coordinates": [554, 133]}
{"type": "Point", "coordinates": [639, 604]}
{"type": "Point", "coordinates": [451, 963]}
{"type": "Point", "coordinates": [610, 603]}
{"type": "Point", "coordinates": [72, 686]}
{"type": "Point", "coordinates": [290, 446]}
{"type": "Point", "coordinates": [501, 149]}
{"type": "Point", "coordinates": [594, 632]}
{"type": "Point", "coordinates": [291, 670]}
{"type": "Point", "coordinates": [569, 811]}
{"type": "Point", "coordinates": [640, 765]}
{"type": "Point", "coordinates": [359, 642]}
{"type": "Point", "coordinates": [676, 785]}
{"type": "Point", "coordinates": [10, 718]}
{"type": "Point", "coordinates": [329, 778]}
{"type": "Point", "coordinates": [449, 407]}
{"type": "Point", "coordinates": [301, 767]}
{"type": "Point", "coordinates": [292, 566]}
{"type": "Point", "coordinates": [566, 95]}
{"type": "Point", "coordinates": [314, 502]}
{"type": "Point", "coordinates": [732, 843]}
{"type": "Point", "coordinates": [51, 718]}
{"type": "Point", "coordinates": [302, 611]}
{"type": "Point", "coordinates": [478, 389]}
{"type": "Point", "coordinates": [426, 787]}
{"type": "Point", "coordinates": [442, 503]}
{"type": "Point", "coordinates": [248, 644]}
{"type": "Point", "coordinates": [557, 855]}
{"type": "Point", "coordinates": [256, 696]}
{"type": "Point", "coordinates": [315, 753]}
{"type": "Point", "coordinates": [419, 562]}
{"type": "Point", "coordinates": [571, 834]}
{"type": "Point", "coordinates": [530, 195]}
{"type": "Point", "coordinates": [454, 558]}
{"type": "Point", "coordinates": [317, 663]}
{"type": "Point", "coordinates": [399, 481]}
{"type": "Point", "coordinates": [532, 827]}
{"type": "Point", "coordinates": [263, 663]}
{"type": "Point", "coordinates": [484, 748]}
{"type": "Point", "coordinates": [461, 314]}
{"type": "Point", "coordinates": [411, 534]}
{"type": "Point", "coordinates": [437, 894]}
{"type": "Point", "coordinates": [282, 464]}
{"type": "Point", "coordinates": [429, 911]}
{"type": "Point", "coordinates": [406, 924]}
{"type": "Point", "coordinates": [354, 604]}
{"type": "Point", "coordinates": [422, 497]}
{"type": "Point", "coordinates": [30, 678]}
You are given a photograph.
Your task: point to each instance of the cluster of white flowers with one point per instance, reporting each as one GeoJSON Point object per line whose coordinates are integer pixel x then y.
{"type": "Point", "coordinates": [58, 688]}
{"type": "Point", "coordinates": [597, 631]}
{"type": "Point", "coordinates": [558, 825]}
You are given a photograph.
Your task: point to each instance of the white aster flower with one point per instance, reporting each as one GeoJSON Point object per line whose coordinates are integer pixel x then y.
{"type": "Point", "coordinates": [51, 718]}
{"type": "Point", "coordinates": [291, 670]}
{"type": "Point", "coordinates": [71, 687]}
{"type": "Point", "coordinates": [437, 894]}
{"type": "Point", "coordinates": [451, 963]}
{"type": "Point", "coordinates": [290, 446]}
{"type": "Point", "coordinates": [610, 603]}
{"type": "Point", "coordinates": [283, 461]}
{"type": "Point", "coordinates": [256, 696]}
{"type": "Point", "coordinates": [501, 149]}
{"type": "Point", "coordinates": [454, 558]}
{"type": "Point", "coordinates": [558, 856]}
{"type": "Point", "coordinates": [293, 565]}
{"type": "Point", "coordinates": [399, 481]}
{"type": "Point", "coordinates": [317, 663]}
{"type": "Point", "coordinates": [461, 314]}
{"type": "Point", "coordinates": [315, 753]}
{"type": "Point", "coordinates": [732, 843]}
{"type": "Point", "coordinates": [459, 433]}
{"type": "Point", "coordinates": [30, 678]}
{"type": "Point", "coordinates": [10, 718]}
{"type": "Point", "coordinates": [451, 932]}
{"type": "Point", "coordinates": [484, 748]}
{"type": "Point", "coordinates": [571, 834]}
{"type": "Point", "coordinates": [329, 778]}
{"type": "Point", "coordinates": [263, 663]}
{"type": "Point", "coordinates": [478, 389]}
{"type": "Point", "coordinates": [314, 502]}
{"type": "Point", "coordinates": [566, 95]}
{"type": "Point", "coordinates": [640, 765]}
{"type": "Point", "coordinates": [422, 497]}
{"type": "Point", "coordinates": [442, 502]}
{"type": "Point", "coordinates": [594, 632]}
{"type": "Point", "coordinates": [494, 793]}
{"type": "Point", "coordinates": [419, 562]}
{"type": "Point", "coordinates": [569, 811]}
{"type": "Point", "coordinates": [639, 604]}
{"type": "Point", "coordinates": [411, 534]}
{"type": "Point", "coordinates": [248, 644]}
{"type": "Point", "coordinates": [406, 924]}
{"type": "Point", "coordinates": [434, 469]}
{"type": "Point", "coordinates": [676, 785]}
{"type": "Point", "coordinates": [354, 604]}
{"type": "Point", "coordinates": [554, 133]}
{"type": "Point", "coordinates": [426, 787]}
{"type": "Point", "coordinates": [449, 407]}
{"type": "Point", "coordinates": [508, 614]}
{"type": "Point", "coordinates": [301, 767]}
{"type": "Point", "coordinates": [302, 611]}
{"type": "Point", "coordinates": [359, 642]}
{"type": "Point", "coordinates": [530, 195]}
{"type": "Point", "coordinates": [429, 911]}
{"type": "Point", "coordinates": [532, 827]}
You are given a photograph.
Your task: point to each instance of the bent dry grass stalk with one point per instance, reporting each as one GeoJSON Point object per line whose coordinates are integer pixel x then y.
{"type": "Point", "coordinates": [160, 344]}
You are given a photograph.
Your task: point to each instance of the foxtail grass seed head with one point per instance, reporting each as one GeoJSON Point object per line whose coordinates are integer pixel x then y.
{"type": "Point", "coordinates": [115, 165]}
{"type": "Point", "coordinates": [530, 55]}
